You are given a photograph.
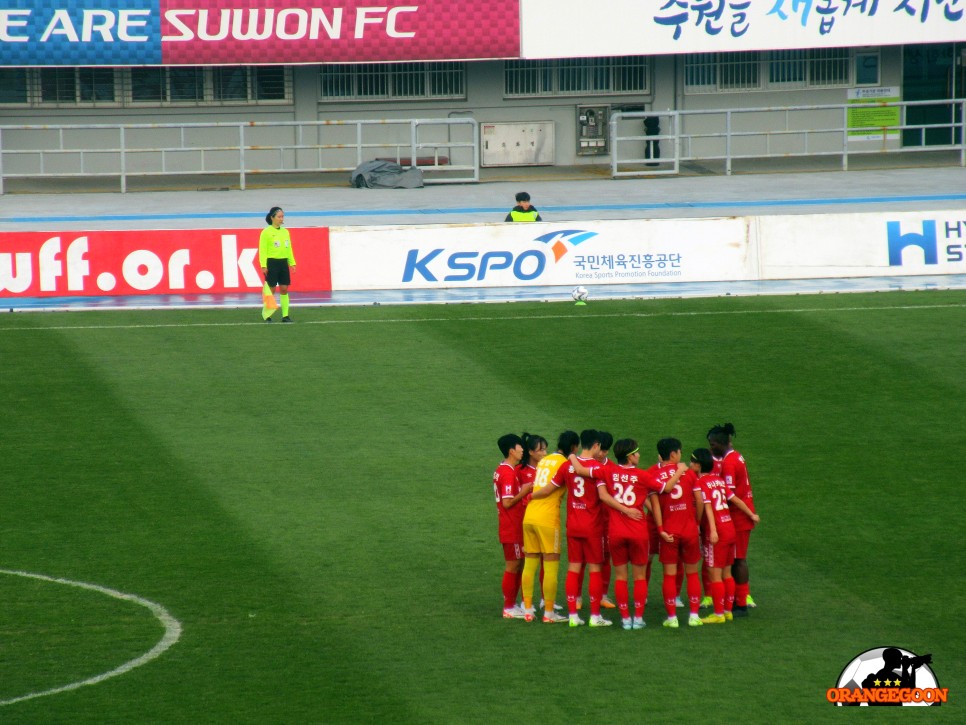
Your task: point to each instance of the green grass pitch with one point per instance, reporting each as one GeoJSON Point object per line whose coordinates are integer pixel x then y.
{"type": "Point", "coordinates": [314, 504]}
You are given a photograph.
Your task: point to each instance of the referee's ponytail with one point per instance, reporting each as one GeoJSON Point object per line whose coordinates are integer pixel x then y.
{"type": "Point", "coordinates": [271, 214]}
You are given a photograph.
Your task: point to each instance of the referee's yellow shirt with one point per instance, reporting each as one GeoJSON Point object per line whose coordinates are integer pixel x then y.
{"type": "Point", "coordinates": [274, 244]}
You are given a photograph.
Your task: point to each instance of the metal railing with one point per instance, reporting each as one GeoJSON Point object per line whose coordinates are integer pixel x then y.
{"type": "Point", "coordinates": [780, 132]}
{"type": "Point", "coordinates": [445, 149]}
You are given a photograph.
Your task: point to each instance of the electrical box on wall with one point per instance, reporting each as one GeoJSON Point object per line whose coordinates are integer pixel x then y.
{"type": "Point", "coordinates": [529, 143]}
{"type": "Point", "coordinates": [593, 123]}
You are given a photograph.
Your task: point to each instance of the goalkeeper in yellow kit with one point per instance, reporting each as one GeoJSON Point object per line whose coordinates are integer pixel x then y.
{"type": "Point", "coordinates": [541, 531]}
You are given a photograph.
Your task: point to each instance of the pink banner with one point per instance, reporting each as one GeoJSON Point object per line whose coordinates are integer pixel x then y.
{"type": "Point", "coordinates": [136, 262]}
{"type": "Point", "coordinates": [231, 32]}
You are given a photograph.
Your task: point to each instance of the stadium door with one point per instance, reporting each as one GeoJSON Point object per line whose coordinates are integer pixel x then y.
{"type": "Point", "coordinates": [933, 73]}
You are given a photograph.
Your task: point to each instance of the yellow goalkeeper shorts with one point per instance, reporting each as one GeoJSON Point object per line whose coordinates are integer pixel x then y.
{"type": "Point", "coordinates": [541, 539]}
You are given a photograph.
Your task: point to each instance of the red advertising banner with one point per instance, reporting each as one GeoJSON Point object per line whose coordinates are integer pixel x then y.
{"type": "Point", "coordinates": [229, 32]}
{"type": "Point", "coordinates": [151, 262]}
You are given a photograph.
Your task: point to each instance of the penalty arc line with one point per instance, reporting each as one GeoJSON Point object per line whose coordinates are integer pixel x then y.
{"type": "Point", "coordinates": [172, 633]}
{"type": "Point", "coordinates": [508, 318]}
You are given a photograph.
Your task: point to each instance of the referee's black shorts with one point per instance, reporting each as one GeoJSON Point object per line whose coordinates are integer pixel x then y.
{"type": "Point", "coordinates": [278, 273]}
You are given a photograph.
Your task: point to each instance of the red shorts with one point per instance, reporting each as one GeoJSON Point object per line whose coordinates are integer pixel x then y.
{"type": "Point", "coordinates": [720, 555]}
{"type": "Point", "coordinates": [624, 550]}
{"type": "Point", "coordinates": [741, 544]}
{"type": "Point", "coordinates": [681, 551]}
{"type": "Point", "coordinates": [512, 552]}
{"type": "Point", "coordinates": [585, 550]}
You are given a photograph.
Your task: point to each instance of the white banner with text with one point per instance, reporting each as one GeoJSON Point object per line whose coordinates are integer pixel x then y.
{"type": "Point", "coordinates": [568, 28]}
{"type": "Point", "coordinates": [862, 245]}
{"type": "Point", "coordinates": [642, 251]}
{"type": "Point", "coordinates": [510, 255]}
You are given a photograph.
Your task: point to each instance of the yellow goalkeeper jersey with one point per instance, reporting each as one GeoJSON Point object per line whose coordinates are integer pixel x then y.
{"type": "Point", "coordinates": [546, 511]}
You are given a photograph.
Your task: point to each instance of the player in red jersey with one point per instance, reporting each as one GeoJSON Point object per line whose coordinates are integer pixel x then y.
{"type": "Point", "coordinates": [719, 535]}
{"type": "Point", "coordinates": [705, 575]}
{"type": "Point", "coordinates": [606, 441]}
{"type": "Point", "coordinates": [585, 544]}
{"type": "Point", "coordinates": [630, 486]}
{"type": "Point", "coordinates": [681, 509]}
{"type": "Point", "coordinates": [735, 472]}
{"type": "Point", "coordinates": [534, 449]}
{"type": "Point", "coordinates": [664, 474]}
{"type": "Point", "coordinates": [509, 496]}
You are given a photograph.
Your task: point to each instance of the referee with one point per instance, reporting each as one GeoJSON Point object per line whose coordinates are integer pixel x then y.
{"type": "Point", "coordinates": [276, 259]}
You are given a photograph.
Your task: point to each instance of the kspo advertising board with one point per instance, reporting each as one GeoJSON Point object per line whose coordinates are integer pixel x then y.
{"type": "Point", "coordinates": [566, 28]}
{"type": "Point", "coordinates": [231, 32]}
{"type": "Point", "coordinates": [863, 245]}
{"type": "Point", "coordinates": [512, 255]}
{"type": "Point", "coordinates": [142, 262]}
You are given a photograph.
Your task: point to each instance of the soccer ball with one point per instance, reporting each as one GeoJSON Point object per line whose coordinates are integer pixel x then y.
{"type": "Point", "coordinates": [579, 294]}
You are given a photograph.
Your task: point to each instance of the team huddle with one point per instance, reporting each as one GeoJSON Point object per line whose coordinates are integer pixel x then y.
{"type": "Point", "coordinates": [619, 517]}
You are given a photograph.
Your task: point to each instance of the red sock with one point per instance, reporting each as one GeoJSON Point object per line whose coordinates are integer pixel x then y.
{"type": "Point", "coordinates": [679, 580]}
{"type": "Point", "coordinates": [670, 592]}
{"type": "Point", "coordinates": [640, 596]}
{"type": "Point", "coordinates": [620, 591]}
{"type": "Point", "coordinates": [580, 579]}
{"type": "Point", "coordinates": [694, 592]}
{"type": "Point", "coordinates": [605, 578]}
{"type": "Point", "coordinates": [741, 594]}
{"type": "Point", "coordinates": [729, 593]}
{"type": "Point", "coordinates": [596, 583]}
{"type": "Point", "coordinates": [718, 596]}
{"type": "Point", "coordinates": [706, 581]}
{"type": "Point", "coordinates": [511, 584]}
{"type": "Point", "coordinates": [572, 587]}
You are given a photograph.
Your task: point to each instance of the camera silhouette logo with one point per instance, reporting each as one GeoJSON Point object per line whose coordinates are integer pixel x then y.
{"type": "Point", "coordinates": [888, 676]}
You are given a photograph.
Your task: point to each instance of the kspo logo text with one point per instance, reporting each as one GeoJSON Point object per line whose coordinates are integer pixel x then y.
{"type": "Point", "coordinates": [466, 266]}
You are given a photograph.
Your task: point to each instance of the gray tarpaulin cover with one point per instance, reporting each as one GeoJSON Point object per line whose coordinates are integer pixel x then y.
{"type": "Point", "coordinates": [385, 175]}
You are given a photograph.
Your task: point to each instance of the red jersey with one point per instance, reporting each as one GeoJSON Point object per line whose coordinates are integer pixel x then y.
{"type": "Point", "coordinates": [506, 485]}
{"type": "Point", "coordinates": [735, 473]}
{"type": "Point", "coordinates": [716, 468]}
{"type": "Point", "coordinates": [526, 474]}
{"type": "Point", "coordinates": [661, 472]}
{"type": "Point", "coordinates": [630, 486]}
{"type": "Point", "coordinates": [716, 492]}
{"type": "Point", "coordinates": [604, 510]}
{"type": "Point", "coordinates": [583, 503]}
{"type": "Point", "coordinates": [677, 505]}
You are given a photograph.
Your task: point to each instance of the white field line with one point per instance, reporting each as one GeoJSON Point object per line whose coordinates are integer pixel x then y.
{"type": "Point", "coordinates": [172, 633]}
{"type": "Point", "coordinates": [570, 317]}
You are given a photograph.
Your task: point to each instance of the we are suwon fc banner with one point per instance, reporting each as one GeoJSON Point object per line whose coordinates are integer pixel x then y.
{"type": "Point", "coordinates": [247, 32]}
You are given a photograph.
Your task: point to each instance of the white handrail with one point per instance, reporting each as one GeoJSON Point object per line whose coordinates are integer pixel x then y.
{"type": "Point", "coordinates": [259, 147]}
{"type": "Point", "coordinates": [716, 135]}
